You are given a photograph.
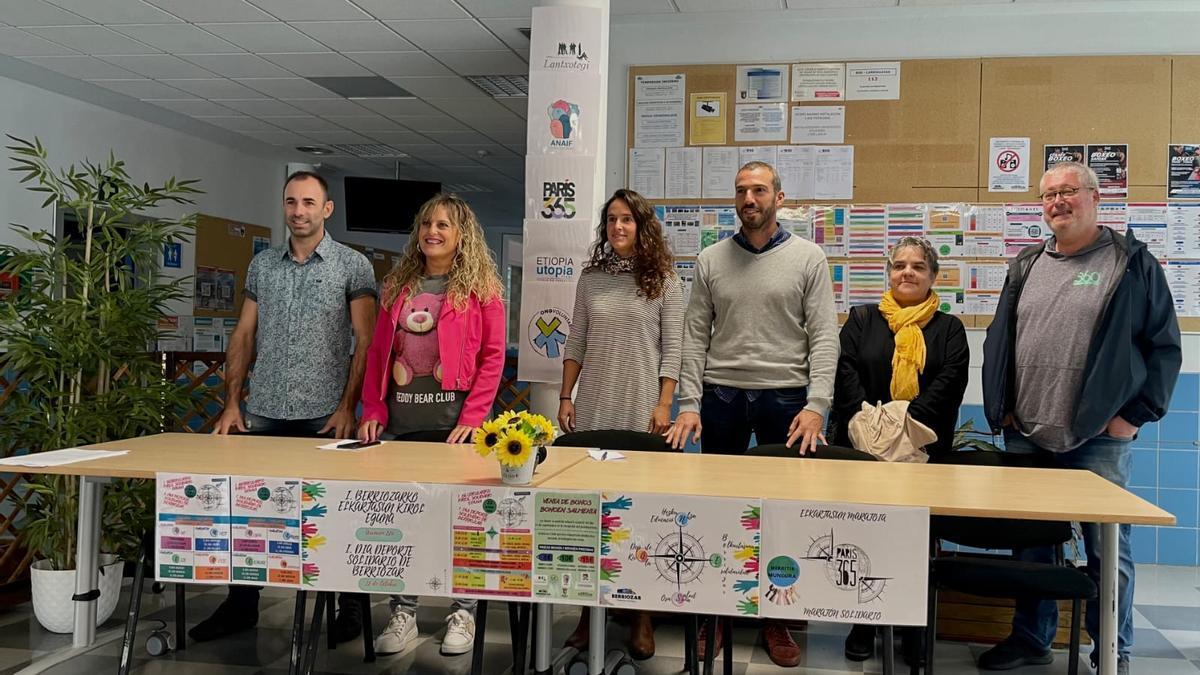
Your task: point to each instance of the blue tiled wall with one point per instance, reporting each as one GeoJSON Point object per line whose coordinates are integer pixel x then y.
{"type": "Point", "coordinates": [1166, 472]}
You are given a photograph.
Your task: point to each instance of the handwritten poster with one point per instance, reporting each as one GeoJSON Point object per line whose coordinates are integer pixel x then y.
{"type": "Point", "coordinates": [375, 537]}
{"type": "Point", "coordinates": [566, 547]}
{"type": "Point", "coordinates": [193, 528]}
{"type": "Point", "coordinates": [492, 542]}
{"type": "Point", "coordinates": [265, 531]}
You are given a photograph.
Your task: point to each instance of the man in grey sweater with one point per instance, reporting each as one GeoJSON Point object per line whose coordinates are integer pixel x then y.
{"type": "Point", "coordinates": [760, 344]}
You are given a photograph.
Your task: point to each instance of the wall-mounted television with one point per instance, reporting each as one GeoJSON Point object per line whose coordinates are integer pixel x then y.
{"type": "Point", "coordinates": [384, 204]}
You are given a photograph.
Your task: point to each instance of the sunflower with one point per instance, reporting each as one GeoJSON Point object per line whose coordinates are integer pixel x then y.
{"type": "Point", "coordinates": [542, 427]}
{"type": "Point", "coordinates": [508, 418]}
{"type": "Point", "coordinates": [487, 437]}
{"type": "Point", "coordinates": [514, 449]}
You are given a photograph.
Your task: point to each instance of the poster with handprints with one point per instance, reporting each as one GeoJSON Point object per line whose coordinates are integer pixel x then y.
{"type": "Point", "coordinates": [680, 553]}
{"type": "Point", "coordinates": [375, 537]}
{"type": "Point", "coordinates": [192, 541]}
{"type": "Point", "coordinates": [265, 531]}
{"type": "Point", "coordinates": [845, 563]}
{"type": "Point", "coordinates": [492, 542]}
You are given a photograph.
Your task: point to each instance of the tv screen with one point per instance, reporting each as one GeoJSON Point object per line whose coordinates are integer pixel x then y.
{"type": "Point", "coordinates": [384, 204]}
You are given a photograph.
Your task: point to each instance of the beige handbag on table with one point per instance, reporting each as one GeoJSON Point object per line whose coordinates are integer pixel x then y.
{"type": "Point", "coordinates": [889, 433]}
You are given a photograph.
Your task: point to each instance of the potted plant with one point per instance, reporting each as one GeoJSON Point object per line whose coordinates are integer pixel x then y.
{"type": "Point", "coordinates": [512, 437]}
{"type": "Point", "coordinates": [78, 332]}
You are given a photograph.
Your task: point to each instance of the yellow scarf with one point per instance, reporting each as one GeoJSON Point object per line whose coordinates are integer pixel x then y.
{"type": "Point", "coordinates": [909, 358]}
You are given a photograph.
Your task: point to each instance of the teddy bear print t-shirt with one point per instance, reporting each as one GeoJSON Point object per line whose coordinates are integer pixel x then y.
{"type": "Point", "coordinates": [416, 400]}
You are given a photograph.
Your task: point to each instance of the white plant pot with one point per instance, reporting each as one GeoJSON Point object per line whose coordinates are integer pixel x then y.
{"type": "Point", "coordinates": [52, 591]}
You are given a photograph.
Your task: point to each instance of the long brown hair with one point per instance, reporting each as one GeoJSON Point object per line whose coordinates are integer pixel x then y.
{"type": "Point", "coordinates": [652, 260]}
{"type": "Point", "coordinates": [473, 271]}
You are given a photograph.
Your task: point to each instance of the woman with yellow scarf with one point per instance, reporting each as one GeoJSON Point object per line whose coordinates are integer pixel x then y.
{"type": "Point", "coordinates": [902, 349]}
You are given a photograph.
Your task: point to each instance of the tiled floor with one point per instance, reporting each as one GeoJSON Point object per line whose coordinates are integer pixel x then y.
{"type": "Point", "coordinates": [1167, 641]}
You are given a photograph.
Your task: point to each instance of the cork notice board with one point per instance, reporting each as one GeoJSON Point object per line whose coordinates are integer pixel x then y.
{"type": "Point", "coordinates": [931, 145]}
{"type": "Point", "coordinates": [223, 251]}
{"type": "Point", "coordinates": [382, 260]}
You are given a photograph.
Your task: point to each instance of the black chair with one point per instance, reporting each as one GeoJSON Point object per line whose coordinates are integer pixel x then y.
{"type": "Point", "coordinates": [1004, 576]}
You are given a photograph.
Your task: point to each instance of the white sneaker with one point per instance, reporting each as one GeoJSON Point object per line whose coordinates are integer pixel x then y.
{"type": "Point", "coordinates": [399, 635]}
{"type": "Point", "coordinates": [460, 633]}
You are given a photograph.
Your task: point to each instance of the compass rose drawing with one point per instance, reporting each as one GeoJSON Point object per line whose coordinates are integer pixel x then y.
{"type": "Point", "coordinates": [511, 511]}
{"type": "Point", "coordinates": [679, 558]}
{"type": "Point", "coordinates": [283, 500]}
{"type": "Point", "coordinates": [847, 567]}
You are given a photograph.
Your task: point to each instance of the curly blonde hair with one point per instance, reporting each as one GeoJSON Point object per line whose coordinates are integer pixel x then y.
{"type": "Point", "coordinates": [473, 271]}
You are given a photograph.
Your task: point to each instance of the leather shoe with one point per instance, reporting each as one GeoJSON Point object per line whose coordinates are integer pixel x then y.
{"type": "Point", "coordinates": [781, 648]}
{"type": "Point", "coordinates": [236, 613]}
{"type": "Point", "coordinates": [347, 625]}
{"type": "Point", "coordinates": [641, 636]}
{"type": "Point", "coordinates": [860, 643]}
{"type": "Point", "coordinates": [1014, 653]}
{"type": "Point", "coordinates": [702, 640]}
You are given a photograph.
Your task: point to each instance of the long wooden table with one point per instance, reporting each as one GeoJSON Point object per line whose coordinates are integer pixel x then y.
{"type": "Point", "coordinates": [1033, 494]}
{"type": "Point", "coordinates": [946, 489]}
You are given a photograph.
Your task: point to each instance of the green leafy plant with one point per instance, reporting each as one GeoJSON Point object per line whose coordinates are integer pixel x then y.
{"type": "Point", "coordinates": [79, 335]}
{"type": "Point", "coordinates": [967, 436]}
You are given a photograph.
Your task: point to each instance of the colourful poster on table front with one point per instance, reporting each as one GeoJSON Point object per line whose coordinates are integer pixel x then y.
{"type": "Point", "coordinates": [265, 531]}
{"type": "Point", "coordinates": [566, 547]}
{"type": "Point", "coordinates": [192, 538]}
{"type": "Point", "coordinates": [492, 542]}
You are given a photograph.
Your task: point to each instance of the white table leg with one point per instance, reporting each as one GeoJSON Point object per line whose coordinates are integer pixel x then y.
{"type": "Point", "coordinates": [87, 554]}
{"type": "Point", "coordinates": [596, 629]}
{"type": "Point", "coordinates": [1109, 536]}
{"type": "Point", "coordinates": [541, 647]}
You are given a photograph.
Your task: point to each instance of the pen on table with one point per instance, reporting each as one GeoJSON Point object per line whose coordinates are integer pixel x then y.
{"type": "Point", "coordinates": [603, 455]}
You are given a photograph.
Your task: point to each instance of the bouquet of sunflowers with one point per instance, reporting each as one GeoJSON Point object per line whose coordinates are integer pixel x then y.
{"type": "Point", "coordinates": [511, 436]}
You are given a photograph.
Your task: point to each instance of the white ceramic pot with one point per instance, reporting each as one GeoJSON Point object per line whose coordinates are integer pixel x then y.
{"type": "Point", "coordinates": [523, 475]}
{"type": "Point", "coordinates": [52, 591]}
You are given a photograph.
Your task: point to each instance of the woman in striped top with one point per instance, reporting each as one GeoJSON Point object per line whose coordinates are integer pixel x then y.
{"type": "Point", "coordinates": [625, 345]}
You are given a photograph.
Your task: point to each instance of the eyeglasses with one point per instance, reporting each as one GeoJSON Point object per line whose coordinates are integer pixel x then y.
{"type": "Point", "coordinates": [1049, 196]}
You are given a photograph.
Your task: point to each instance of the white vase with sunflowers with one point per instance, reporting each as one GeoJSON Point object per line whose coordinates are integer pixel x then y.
{"type": "Point", "coordinates": [518, 440]}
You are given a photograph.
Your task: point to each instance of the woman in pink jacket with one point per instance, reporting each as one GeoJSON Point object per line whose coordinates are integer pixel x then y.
{"type": "Point", "coordinates": [434, 365]}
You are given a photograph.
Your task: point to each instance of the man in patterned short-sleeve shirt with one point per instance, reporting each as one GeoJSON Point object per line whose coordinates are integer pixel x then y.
{"type": "Point", "coordinates": [304, 301]}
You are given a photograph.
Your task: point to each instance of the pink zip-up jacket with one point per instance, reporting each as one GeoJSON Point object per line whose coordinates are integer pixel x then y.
{"type": "Point", "coordinates": [471, 349]}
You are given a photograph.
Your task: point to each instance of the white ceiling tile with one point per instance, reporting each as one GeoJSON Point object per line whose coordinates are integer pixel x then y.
{"type": "Point", "coordinates": [500, 9]}
{"type": "Point", "coordinates": [327, 64]}
{"type": "Point", "coordinates": [399, 64]}
{"type": "Point", "coordinates": [302, 123]}
{"type": "Point", "coordinates": [354, 36]}
{"type": "Point", "coordinates": [918, 3]}
{"type": "Point", "coordinates": [446, 34]}
{"type": "Point", "coordinates": [116, 11]}
{"type": "Point", "coordinates": [262, 106]}
{"type": "Point", "coordinates": [482, 107]}
{"type": "Point", "coordinates": [157, 66]}
{"type": "Point", "coordinates": [515, 140]}
{"type": "Point", "coordinates": [441, 87]}
{"type": "Point", "coordinates": [427, 151]}
{"type": "Point", "coordinates": [412, 9]}
{"type": "Point", "coordinates": [641, 7]}
{"type": "Point", "coordinates": [214, 88]}
{"type": "Point", "coordinates": [92, 40]}
{"type": "Point", "coordinates": [279, 137]}
{"type": "Point", "coordinates": [398, 107]}
{"type": "Point", "coordinates": [38, 13]}
{"type": "Point", "coordinates": [489, 125]}
{"type": "Point", "coordinates": [723, 5]}
{"type": "Point", "coordinates": [82, 67]}
{"type": "Point", "coordinates": [329, 107]}
{"type": "Point", "coordinates": [212, 10]}
{"type": "Point", "coordinates": [458, 138]}
{"type": "Point", "coordinates": [179, 39]}
{"type": "Point", "coordinates": [509, 31]}
{"type": "Point", "coordinates": [192, 106]}
{"type": "Point", "coordinates": [520, 106]}
{"type": "Point", "coordinates": [265, 37]}
{"type": "Point", "coordinates": [239, 123]}
{"type": "Point", "coordinates": [16, 42]}
{"type": "Point", "coordinates": [393, 137]}
{"type": "Point", "coordinates": [287, 87]}
{"type": "Point", "coordinates": [342, 136]}
{"type": "Point", "coordinates": [141, 88]}
{"type": "Point", "coordinates": [366, 124]}
{"type": "Point", "coordinates": [311, 10]}
{"type": "Point", "coordinates": [238, 65]}
{"type": "Point", "coordinates": [492, 62]}
{"type": "Point", "coordinates": [424, 123]}
{"type": "Point", "coordinates": [838, 4]}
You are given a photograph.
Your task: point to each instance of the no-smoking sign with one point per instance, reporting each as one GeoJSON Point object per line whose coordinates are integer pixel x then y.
{"type": "Point", "coordinates": [1008, 161]}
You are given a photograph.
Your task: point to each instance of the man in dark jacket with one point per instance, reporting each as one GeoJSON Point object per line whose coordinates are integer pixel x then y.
{"type": "Point", "coordinates": [1083, 350]}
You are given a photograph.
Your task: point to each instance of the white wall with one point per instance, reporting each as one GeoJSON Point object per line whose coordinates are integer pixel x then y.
{"type": "Point", "coordinates": [237, 185]}
{"type": "Point", "coordinates": [1001, 30]}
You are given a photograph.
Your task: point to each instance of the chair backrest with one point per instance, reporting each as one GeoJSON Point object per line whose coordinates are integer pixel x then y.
{"type": "Point", "coordinates": [823, 452]}
{"type": "Point", "coordinates": [997, 533]}
{"type": "Point", "coordinates": [615, 439]}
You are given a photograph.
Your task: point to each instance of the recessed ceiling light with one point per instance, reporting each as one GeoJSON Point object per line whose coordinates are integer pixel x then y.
{"type": "Point", "coordinates": [502, 86]}
{"type": "Point", "coordinates": [314, 150]}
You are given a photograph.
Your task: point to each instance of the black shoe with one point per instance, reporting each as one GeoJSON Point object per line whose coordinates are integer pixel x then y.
{"type": "Point", "coordinates": [236, 613]}
{"type": "Point", "coordinates": [347, 625]}
{"type": "Point", "coordinates": [860, 643]}
{"type": "Point", "coordinates": [912, 646]}
{"type": "Point", "coordinates": [1013, 653]}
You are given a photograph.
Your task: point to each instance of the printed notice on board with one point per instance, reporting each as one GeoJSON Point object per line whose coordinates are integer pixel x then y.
{"type": "Point", "coordinates": [1111, 164]}
{"type": "Point", "coordinates": [647, 167]}
{"type": "Point", "coordinates": [1057, 154]}
{"type": "Point", "coordinates": [707, 121]}
{"type": "Point", "coordinates": [683, 173]}
{"type": "Point", "coordinates": [834, 170]}
{"type": "Point", "coordinates": [761, 122]}
{"type": "Point", "coordinates": [1008, 165]}
{"type": "Point", "coordinates": [873, 81]}
{"type": "Point", "coordinates": [818, 124]}
{"type": "Point", "coordinates": [818, 82]}
{"type": "Point", "coordinates": [658, 111]}
{"type": "Point", "coordinates": [762, 84]}
{"type": "Point", "coordinates": [719, 171]}
{"type": "Point", "coordinates": [1183, 170]}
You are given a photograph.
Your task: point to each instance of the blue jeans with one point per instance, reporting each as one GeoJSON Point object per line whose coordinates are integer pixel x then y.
{"type": "Point", "coordinates": [1036, 621]}
{"type": "Point", "coordinates": [728, 416]}
{"type": "Point", "coordinates": [268, 426]}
